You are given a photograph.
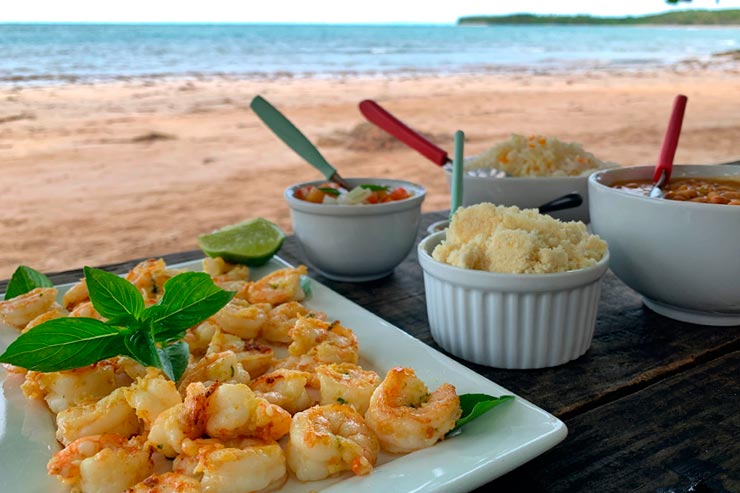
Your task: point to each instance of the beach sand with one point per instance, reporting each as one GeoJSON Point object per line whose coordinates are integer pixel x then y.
{"type": "Point", "coordinates": [101, 173]}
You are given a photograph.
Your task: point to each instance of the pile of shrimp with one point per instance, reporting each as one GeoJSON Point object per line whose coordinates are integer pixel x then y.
{"type": "Point", "coordinates": [272, 389]}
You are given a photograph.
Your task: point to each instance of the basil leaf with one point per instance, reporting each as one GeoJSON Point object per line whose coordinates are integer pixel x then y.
{"type": "Point", "coordinates": [140, 346]}
{"type": "Point", "coordinates": [128, 321]}
{"type": "Point", "coordinates": [113, 296]}
{"type": "Point", "coordinates": [375, 188]}
{"type": "Point", "coordinates": [476, 405]}
{"type": "Point", "coordinates": [331, 191]}
{"type": "Point", "coordinates": [26, 279]}
{"type": "Point", "coordinates": [63, 344]}
{"type": "Point", "coordinates": [189, 298]}
{"type": "Point", "coordinates": [175, 358]}
{"type": "Point", "coordinates": [306, 285]}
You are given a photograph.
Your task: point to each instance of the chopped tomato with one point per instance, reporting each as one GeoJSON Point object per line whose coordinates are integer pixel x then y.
{"type": "Point", "coordinates": [399, 193]}
{"type": "Point", "coordinates": [372, 198]}
{"type": "Point", "coordinates": [301, 193]}
{"type": "Point", "coordinates": [315, 195]}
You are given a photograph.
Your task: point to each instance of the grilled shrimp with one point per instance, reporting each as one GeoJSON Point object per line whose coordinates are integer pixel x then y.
{"type": "Point", "coordinates": [169, 429]}
{"type": "Point", "coordinates": [86, 309]}
{"type": "Point", "coordinates": [169, 482]}
{"type": "Point", "coordinates": [234, 466]}
{"type": "Point", "coordinates": [326, 440]}
{"type": "Point", "coordinates": [231, 277]}
{"type": "Point", "coordinates": [221, 270]}
{"type": "Point", "coordinates": [18, 311]}
{"type": "Point", "coordinates": [57, 311]}
{"type": "Point", "coordinates": [328, 342]}
{"type": "Point", "coordinates": [149, 277]}
{"type": "Point", "coordinates": [278, 287]}
{"type": "Point", "coordinates": [151, 395]}
{"type": "Point", "coordinates": [282, 318]}
{"type": "Point", "coordinates": [107, 463]}
{"type": "Point", "coordinates": [346, 383]}
{"type": "Point", "coordinates": [241, 318]}
{"type": "Point", "coordinates": [214, 367]}
{"type": "Point", "coordinates": [199, 337]}
{"type": "Point", "coordinates": [64, 389]}
{"type": "Point", "coordinates": [75, 295]}
{"type": "Point", "coordinates": [406, 417]}
{"type": "Point", "coordinates": [254, 357]}
{"type": "Point", "coordinates": [111, 414]}
{"type": "Point", "coordinates": [233, 410]}
{"type": "Point", "coordinates": [286, 388]}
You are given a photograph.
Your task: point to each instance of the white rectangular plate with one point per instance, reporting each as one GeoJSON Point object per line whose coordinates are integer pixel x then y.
{"type": "Point", "coordinates": [487, 448]}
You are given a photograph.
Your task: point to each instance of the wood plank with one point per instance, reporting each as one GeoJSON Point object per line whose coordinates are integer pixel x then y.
{"type": "Point", "coordinates": [680, 434]}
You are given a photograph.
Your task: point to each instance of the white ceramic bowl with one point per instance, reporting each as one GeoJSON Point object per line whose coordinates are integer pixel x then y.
{"type": "Point", "coordinates": [682, 257]}
{"type": "Point", "coordinates": [357, 242]}
{"type": "Point", "coordinates": [515, 321]}
{"type": "Point", "coordinates": [525, 193]}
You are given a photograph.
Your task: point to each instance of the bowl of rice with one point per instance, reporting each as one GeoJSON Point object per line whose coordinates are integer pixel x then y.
{"type": "Point", "coordinates": [540, 169]}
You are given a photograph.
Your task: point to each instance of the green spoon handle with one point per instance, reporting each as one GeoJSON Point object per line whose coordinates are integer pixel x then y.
{"type": "Point", "coordinates": [288, 133]}
{"type": "Point", "coordinates": [457, 173]}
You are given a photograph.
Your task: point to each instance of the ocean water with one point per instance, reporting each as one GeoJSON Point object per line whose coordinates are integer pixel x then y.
{"type": "Point", "coordinates": [53, 53]}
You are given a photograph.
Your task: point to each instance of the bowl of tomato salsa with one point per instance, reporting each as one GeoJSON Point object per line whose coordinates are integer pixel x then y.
{"type": "Point", "coordinates": [356, 235]}
{"type": "Point", "coordinates": [680, 252]}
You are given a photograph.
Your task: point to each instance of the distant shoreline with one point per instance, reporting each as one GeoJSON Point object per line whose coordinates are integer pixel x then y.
{"type": "Point", "coordinates": [704, 18]}
{"type": "Point", "coordinates": [34, 56]}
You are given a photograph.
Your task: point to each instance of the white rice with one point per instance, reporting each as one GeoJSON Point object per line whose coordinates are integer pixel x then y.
{"type": "Point", "coordinates": [537, 155]}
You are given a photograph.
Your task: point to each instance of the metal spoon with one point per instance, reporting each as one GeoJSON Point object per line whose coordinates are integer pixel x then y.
{"type": "Point", "coordinates": [567, 201]}
{"type": "Point", "coordinates": [668, 150]}
{"type": "Point", "coordinates": [289, 133]}
{"type": "Point", "coordinates": [378, 115]}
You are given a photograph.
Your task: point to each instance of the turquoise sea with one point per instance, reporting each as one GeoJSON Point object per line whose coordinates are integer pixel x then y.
{"type": "Point", "coordinates": [54, 53]}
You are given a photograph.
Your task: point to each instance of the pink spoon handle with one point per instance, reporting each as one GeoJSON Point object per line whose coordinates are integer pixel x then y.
{"type": "Point", "coordinates": [670, 141]}
{"type": "Point", "coordinates": [380, 117]}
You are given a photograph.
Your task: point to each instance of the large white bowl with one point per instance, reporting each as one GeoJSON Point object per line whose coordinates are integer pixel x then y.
{"type": "Point", "coordinates": [357, 242]}
{"type": "Point", "coordinates": [525, 193]}
{"type": "Point", "coordinates": [682, 257]}
{"type": "Point", "coordinates": [515, 321]}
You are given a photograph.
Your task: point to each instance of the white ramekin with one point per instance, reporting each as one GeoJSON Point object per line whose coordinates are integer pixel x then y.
{"type": "Point", "coordinates": [513, 321]}
{"type": "Point", "coordinates": [356, 243]}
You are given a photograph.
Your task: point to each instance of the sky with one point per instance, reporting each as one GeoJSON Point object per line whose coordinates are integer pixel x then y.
{"type": "Point", "coordinates": [322, 11]}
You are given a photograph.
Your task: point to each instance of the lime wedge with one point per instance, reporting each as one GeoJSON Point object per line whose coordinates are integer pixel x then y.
{"type": "Point", "coordinates": [252, 242]}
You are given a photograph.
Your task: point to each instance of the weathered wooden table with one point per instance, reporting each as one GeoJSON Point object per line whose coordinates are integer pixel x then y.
{"type": "Point", "coordinates": [653, 406]}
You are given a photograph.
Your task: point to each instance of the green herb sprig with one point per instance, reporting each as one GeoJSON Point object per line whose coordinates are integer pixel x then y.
{"type": "Point", "coordinates": [330, 191]}
{"type": "Point", "coordinates": [476, 405]}
{"type": "Point", "coordinates": [26, 279]}
{"type": "Point", "coordinates": [149, 335]}
{"type": "Point", "coordinates": [375, 188]}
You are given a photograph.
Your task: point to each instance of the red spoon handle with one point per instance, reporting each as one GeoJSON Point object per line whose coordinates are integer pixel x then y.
{"type": "Point", "coordinates": [670, 141]}
{"type": "Point", "coordinates": [380, 117]}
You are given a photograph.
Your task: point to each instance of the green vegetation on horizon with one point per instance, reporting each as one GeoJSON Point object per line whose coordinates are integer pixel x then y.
{"type": "Point", "coordinates": [683, 17]}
